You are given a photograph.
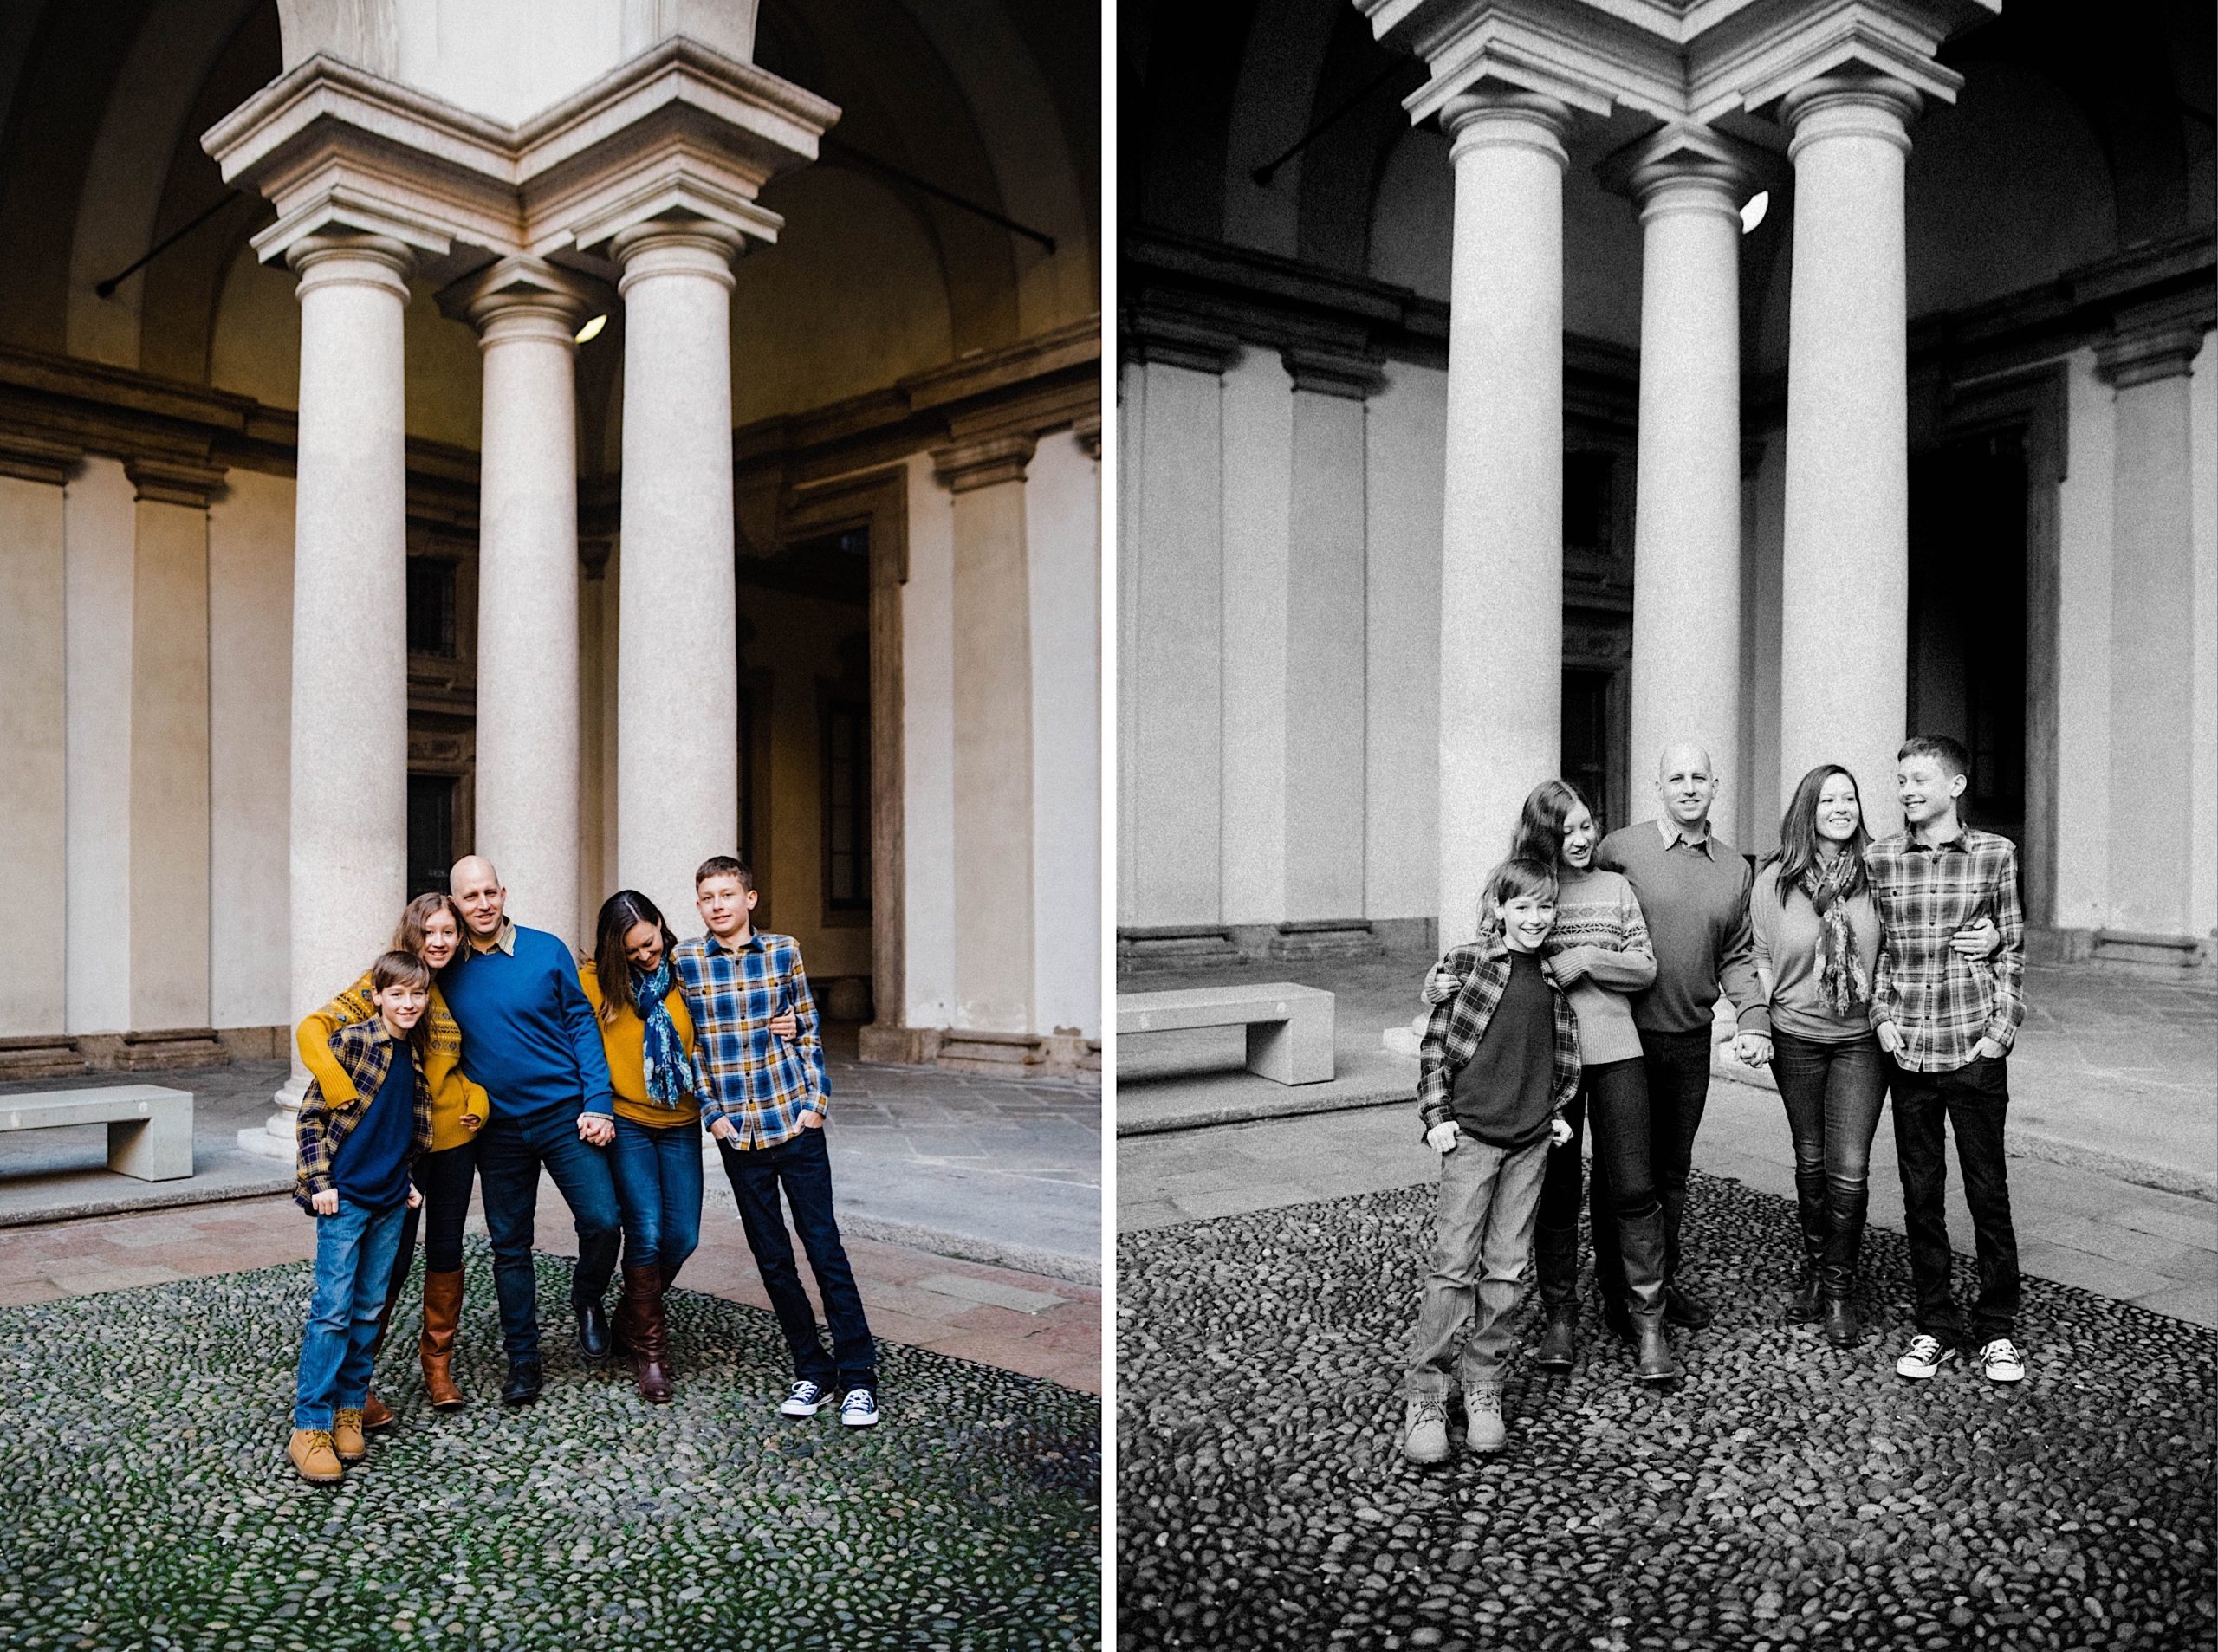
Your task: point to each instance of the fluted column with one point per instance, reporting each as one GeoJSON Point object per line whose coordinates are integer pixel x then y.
{"type": "Point", "coordinates": [1686, 614]}
{"type": "Point", "coordinates": [349, 838]}
{"type": "Point", "coordinates": [1844, 624]}
{"type": "Point", "coordinates": [1502, 544]}
{"type": "Point", "coordinates": [677, 758]}
{"type": "Point", "coordinates": [526, 311]}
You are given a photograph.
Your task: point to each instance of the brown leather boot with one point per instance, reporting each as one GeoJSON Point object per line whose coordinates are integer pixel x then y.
{"type": "Point", "coordinates": [347, 1436]}
{"type": "Point", "coordinates": [435, 1347]}
{"type": "Point", "coordinates": [309, 1452]}
{"type": "Point", "coordinates": [650, 1334]}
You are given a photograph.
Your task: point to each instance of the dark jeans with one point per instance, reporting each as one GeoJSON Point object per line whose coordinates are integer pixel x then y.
{"type": "Point", "coordinates": [1614, 1097]}
{"type": "Point", "coordinates": [510, 1154]}
{"type": "Point", "coordinates": [1974, 1098]}
{"type": "Point", "coordinates": [1833, 1093]}
{"type": "Point", "coordinates": [658, 1169]}
{"type": "Point", "coordinates": [443, 1178]}
{"type": "Point", "coordinates": [1679, 1088]}
{"type": "Point", "coordinates": [800, 1166]}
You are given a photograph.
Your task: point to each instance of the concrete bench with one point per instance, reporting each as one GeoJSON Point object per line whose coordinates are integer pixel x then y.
{"type": "Point", "coordinates": [149, 1128]}
{"type": "Point", "coordinates": [1289, 1026]}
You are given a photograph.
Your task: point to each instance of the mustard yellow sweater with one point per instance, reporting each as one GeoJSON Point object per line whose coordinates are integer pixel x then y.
{"type": "Point", "coordinates": [452, 1094]}
{"type": "Point", "coordinates": [624, 1040]}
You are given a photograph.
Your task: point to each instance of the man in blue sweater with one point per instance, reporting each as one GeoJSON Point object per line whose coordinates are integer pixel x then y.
{"type": "Point", "coordinates": [528, 1036]}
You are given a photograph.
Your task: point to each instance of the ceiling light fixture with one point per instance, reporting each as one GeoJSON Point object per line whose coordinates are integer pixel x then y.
{"type": "Point", "coordinates": [591, 330]}
{"type": "Point", "coordinates": [1753, 212]}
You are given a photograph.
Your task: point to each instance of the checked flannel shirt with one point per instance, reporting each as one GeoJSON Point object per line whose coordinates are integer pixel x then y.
{"type": "Point", "coordinates": [1457, 1023]}
{"type": "Point", "coordinates": [365, 1054]}
{"type": "Point", "coordinates": [761, 1083]}
{"type": "Point", "coordinates": [1942, 1002]}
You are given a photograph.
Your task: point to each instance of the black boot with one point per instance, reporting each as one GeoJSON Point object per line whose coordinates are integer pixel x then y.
{"type": "Point", "coordinates": [1810, 1191]}
{"type": "Point", "coordinates": [592, 1331]}
{"type": "Point", "coordinates": [1846, 1203]}
{"type": "Point", "coordinates": [522, 1385]}
{"type": "Point", "coordinates": [1640, 1240]}
{"type": "Point", "coordinates": [1555, 1258]}
{"type": "Point", "coordinates": [1681, 1306]}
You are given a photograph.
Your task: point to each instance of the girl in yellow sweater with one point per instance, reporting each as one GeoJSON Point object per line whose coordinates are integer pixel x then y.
{"type": "Point", "coordinates": [431, 928]}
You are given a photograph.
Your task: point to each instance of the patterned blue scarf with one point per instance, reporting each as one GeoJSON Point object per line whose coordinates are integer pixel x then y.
{"type": "Point", "coordinates": [669, 1071]}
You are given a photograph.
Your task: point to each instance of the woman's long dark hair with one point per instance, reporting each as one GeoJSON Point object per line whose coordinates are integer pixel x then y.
{"type": "Point", "coordinates": [1798, 833]}
{"type": "Point", "coordinates": [1539, 823]}
{"type": "Point", "coordinates": [619, 913]}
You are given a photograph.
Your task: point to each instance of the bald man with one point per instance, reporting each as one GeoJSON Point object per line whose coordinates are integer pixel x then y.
{"type": "Point", "coordinates": [1693, 889]}
{"type": "Point", "coordinates": [528, 1036]}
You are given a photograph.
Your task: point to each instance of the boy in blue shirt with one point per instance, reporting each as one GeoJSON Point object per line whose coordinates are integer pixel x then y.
{"type": "Point", "coordinates": [352, 1176]}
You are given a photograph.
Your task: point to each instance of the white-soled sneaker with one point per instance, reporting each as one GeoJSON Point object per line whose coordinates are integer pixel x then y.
{"type": "Point", "coordinates": [1925, 1356]}
{"type": "Point", "coordinates": [859, 1409]}
{"type": "Point", "coordinates": [2001, 1361]}
{"type": "Point", "coordinates": [804, 1402]}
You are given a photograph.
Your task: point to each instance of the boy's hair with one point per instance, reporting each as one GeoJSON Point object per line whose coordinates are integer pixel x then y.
{"type": "Point", "coordinates": [397, 969]}
{"type": "Point", "coordinates": [1519, 875]}
{"type": "Point", "coordinates": [1949, 754]}
{"type": "Point", "coordinates": [725, 866]}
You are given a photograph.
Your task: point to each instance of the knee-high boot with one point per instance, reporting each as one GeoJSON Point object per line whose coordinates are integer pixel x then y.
{"type": "Point", "coordinates": [643, 1307]}
{"type": "Point", "coordinates": [1846, 1206]}
{"type": "Point", "coordinates": [1640, 1241]}
{"type": "Point", "coordinates": [435, 1347]}
{"type": "Point", "coordinates": [1815, 1221]}
{"type": "Point", "coordinates": [1555, 1256]}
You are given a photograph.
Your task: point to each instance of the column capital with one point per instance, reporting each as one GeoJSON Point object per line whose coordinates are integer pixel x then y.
{"type": "Point", "coordinates": [983, 460]}
{"type": "Point", "coordinates": [1332, 372]}
{"type": "Point", "coordinates": [165, 481]}
{"type": "Point", "coordinates": [678, 245]}
{"type": "Point", "coordinates": [2152, 350]}
{"type": "Point", "coordinates": [1088, 431]}
{"type": "Point", "coordinates": [1870, 106]}
{"type": "Point", "coordinates": [37, 458]}
{"type": "Point", "coordinates": [1146, 334]}
{"type": "Point", "coordinates": [1686, 166]}
{"type": "Point", "coordinates": [1478, 120]}
{"type": "Point", "coordinates": [352, 260]}
{"type": "Point", "coordinates": [520, 297]}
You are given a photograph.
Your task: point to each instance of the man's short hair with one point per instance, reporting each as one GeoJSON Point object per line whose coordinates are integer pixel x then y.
{"type": "Point", "coordinates": [725, 866]}
{"type": "Point", "coordinates": [1949, 754]}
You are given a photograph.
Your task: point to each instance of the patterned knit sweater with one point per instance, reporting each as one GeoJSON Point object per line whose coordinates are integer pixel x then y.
{"type": "Point", "coordinates": [1601, 954]}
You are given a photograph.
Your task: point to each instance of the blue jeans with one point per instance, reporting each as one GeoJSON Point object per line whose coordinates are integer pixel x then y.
{"type": "Point", "coordinates": [1482, 1238]}
{"type": "Point", "coordinates": [658, 1169]}
{"type": "Point", "coordinates": [353, 1260]}
{"type": "Point", "coordinates": [801, 1167]}
{"type": "Point", "coordinates": [1834, 1094]}
{"type": "Point", "coordinates": [510, 1152]}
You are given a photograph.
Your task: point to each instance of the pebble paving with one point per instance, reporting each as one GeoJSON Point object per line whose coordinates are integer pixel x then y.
{"type": "Point", "coordinates": [145, 1502]}
{"type": "Point", "coordinates": [1786, 1494]}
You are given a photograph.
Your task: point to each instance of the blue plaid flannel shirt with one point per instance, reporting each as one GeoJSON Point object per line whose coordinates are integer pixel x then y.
{"type": "Point", "coordinates": [761, 1083]}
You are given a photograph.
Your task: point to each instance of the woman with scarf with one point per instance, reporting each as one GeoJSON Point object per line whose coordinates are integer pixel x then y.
{"type": "Point", "coordinates": [1817, 940]}
{"type": "Point", "coordinates": [648, 1037]}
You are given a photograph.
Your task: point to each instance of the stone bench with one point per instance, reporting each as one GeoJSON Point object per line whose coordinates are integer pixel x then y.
{"type": "Point", "coordinates": [149, 1128]}
{"type": "Point", "coordinates": [1289, 1026]}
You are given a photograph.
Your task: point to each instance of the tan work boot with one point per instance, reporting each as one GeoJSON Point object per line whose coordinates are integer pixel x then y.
{"type": "Point", "coordinates": [1483, 1411]}
{"type": "Point", "coordinates": [312, 1457]}
{"type": "Point", "coordinates": [347, 1436]}
{"type": "Point", "coordinates": [1424, 1429]}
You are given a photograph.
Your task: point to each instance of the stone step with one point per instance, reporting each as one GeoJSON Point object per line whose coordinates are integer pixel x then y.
{"type": "Point", "coordinates": [1326, 938]}
{"type": "Point", "coordinates": [41, 1057]}
{"type": "Point", "coordinates": [1146, 950]}
{"type": "Point", "coordinates": [169, 1050]}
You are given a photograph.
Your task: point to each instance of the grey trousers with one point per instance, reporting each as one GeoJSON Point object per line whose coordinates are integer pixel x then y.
{"type": "Point", "coordinates": [1482, 1239]}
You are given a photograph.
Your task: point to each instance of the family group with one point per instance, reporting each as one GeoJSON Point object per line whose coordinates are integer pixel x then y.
{"type": "Point", "coordinates": [1858, 966]}
{"type": "Point", "coordinates": [477, 1049]}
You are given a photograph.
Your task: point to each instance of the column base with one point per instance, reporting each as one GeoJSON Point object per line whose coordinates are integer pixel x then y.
{"type": "Point", "coordinates": [277, 1137]}
{"type": "Point", "coordinates": [1060, 1054]}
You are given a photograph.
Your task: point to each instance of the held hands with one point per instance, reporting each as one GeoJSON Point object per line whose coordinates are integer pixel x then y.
{"type": "Point", "coordinates": [596, 1130]}
{"type": "Point", "coordinates": [1442, 1138]}
{"type": "Point", "coordinates": [1978, 940]}
{"type": "Point", "coordinates": [1559, 1132]}
{"type": "Point", "coordinates": [1891, 1038]}
{"type": "Point", "coordinates": [325, 1203]}
{"type": "Point", "coordinates": [1752, 1049]}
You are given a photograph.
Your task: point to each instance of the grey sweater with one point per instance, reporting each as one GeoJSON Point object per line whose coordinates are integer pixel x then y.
{"type": "Point", "coordinates": [1696, 902]}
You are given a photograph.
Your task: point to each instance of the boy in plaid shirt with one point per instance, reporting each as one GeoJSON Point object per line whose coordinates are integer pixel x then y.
{"type": "Point", "coordinates": [1499, 1061]}
{"type": "Point", "coordinates": [765, 1104]}
{"type": "Point", "coordinates": [1947, 1022]}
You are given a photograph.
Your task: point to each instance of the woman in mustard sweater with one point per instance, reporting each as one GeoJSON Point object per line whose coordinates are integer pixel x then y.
{"type": "Point", "coordinates": [431, 928]}
{"type": "Point", "coordinates": [648, 1037]}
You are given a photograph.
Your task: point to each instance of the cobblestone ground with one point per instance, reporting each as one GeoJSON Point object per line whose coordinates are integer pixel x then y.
{"type": "Point", "coordinates": [145, 1502]}
{"type": "Point", "coordinates": [1785, 1494]}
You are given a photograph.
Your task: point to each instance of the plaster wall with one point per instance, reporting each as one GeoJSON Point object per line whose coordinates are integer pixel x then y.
{"type": "Point", "coordinates": [169, 768]}
{"type": "Point", "coordinates": [1405, 433]}
{"type": "Point", "coordinates": [1326, 650]}
{"type": "Point", "coordinates": [2202, 744]}
{"type": "Point", "coordinates": [249, 752]}
{"type": "Point", "coordinates": [2083, 801]}
{"type": "Point", "coordinates": [33, 822]}
{"type": "Point", "coordinates": [1132, 392]}
{"type": "Point", "coordinates": [1258, 515]}
{"type": "Point", "coordinates": [99, 532]}
{"type": "Point", "coordinates": [928, 751]}
{"type": "Point", "coordinates": [1062, 521]}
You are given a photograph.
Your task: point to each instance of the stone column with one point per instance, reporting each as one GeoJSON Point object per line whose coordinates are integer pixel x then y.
{"type": "Point", "coordinates": [527, 681]}
{"type": "Point", "coordinates": [33, 717]}
{"type": "Point", "coordinates": [677, 775]}
{"type": "Point", "coordinates": [1687, 665]}
{"type": "Point", "coordinates": [1845, 583]}
{"type": "Point", "coordinates": [349, 838]}
{"type": "Point", "coordinates": [993, 733]}
{"type": "Point", "coordinates": [2152, 633]}
{"type": "Point", "coordinates": [1502, 544]}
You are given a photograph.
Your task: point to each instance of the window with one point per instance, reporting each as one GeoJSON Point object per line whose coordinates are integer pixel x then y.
{"type": "Point", "coordinates": [430, 607]}
{"type": "Point", "coordinates": [846, 806]}
{"type": "Point", "coordinates": [431, 832]}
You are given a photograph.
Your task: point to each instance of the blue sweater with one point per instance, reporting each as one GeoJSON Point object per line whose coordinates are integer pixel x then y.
{"type": "Point", "coordinates": [528, 1035]}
